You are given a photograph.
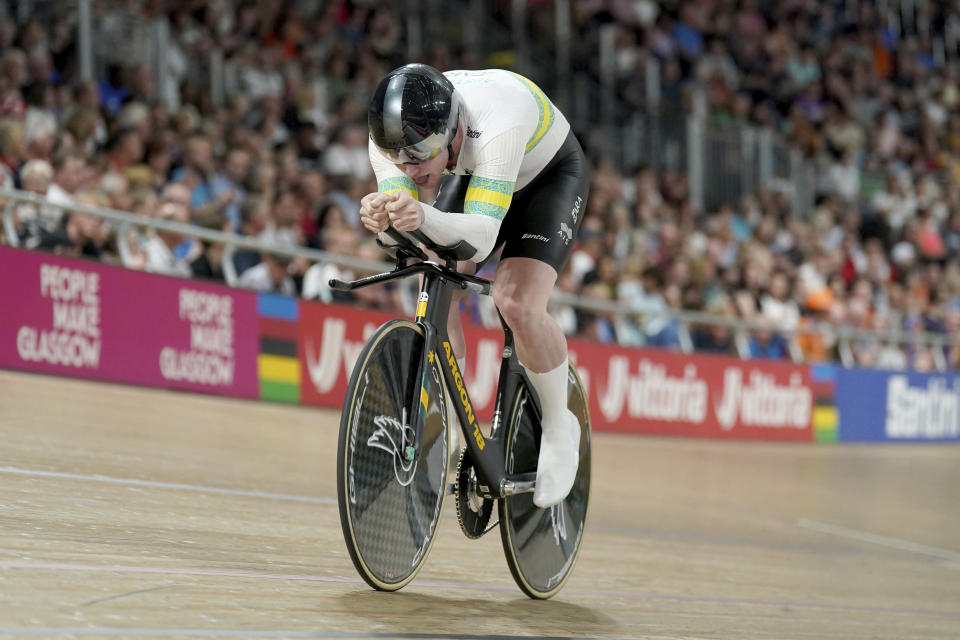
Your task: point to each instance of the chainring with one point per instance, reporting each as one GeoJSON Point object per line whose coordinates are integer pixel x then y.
{"type": "Point", "coordinates": [473, 510]}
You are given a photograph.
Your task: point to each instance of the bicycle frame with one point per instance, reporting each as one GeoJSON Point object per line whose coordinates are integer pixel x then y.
{"type": "Point", "coordinates": [436, 290]}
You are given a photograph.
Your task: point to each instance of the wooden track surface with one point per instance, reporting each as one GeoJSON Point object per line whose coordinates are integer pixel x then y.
{"type": "Point", "coordinates": [127, 512]}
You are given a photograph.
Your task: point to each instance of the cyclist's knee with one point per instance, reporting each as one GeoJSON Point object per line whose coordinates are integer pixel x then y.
{"type": "Point", "coordinates": [521, 316]}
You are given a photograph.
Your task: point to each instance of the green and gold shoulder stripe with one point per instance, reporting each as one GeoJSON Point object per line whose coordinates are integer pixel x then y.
{"type": "Point", "coordinates": [546, 112]}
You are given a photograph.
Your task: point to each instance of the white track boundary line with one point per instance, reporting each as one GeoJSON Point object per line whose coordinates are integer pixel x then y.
{"type": "Point", "coordinates": [813, 525]}
{"type": "Point", "coordinates": [166, 633]}
{"type": "Point", "coordinates": [894, 543]}
{"type": "Point", "coordinates": [264, 633]}
{"type": "Point", "coordinates": [165, 485]}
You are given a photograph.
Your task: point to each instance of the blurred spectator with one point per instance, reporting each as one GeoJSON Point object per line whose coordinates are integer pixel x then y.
{"type": "Point", "coordinates": [329, 218]}
{"type": "Point", "coordinates": [116, 187]}
{"type": "Point", "coordinates": [309, 152]}
{"type": "Point", "coordinates": [592, 324]}
{"type": "Point", "coordinates": [815, 344]}
{"type": "Point", "coordinates": [124, 149]}
{"type": "Point", "coordinates": [160, 245]}
{"type": "Point", "coordinates": [346, 192]}
{"type": "Point", "coordinates": [776, 306]}
{"type": "Point", "coordinates": [348, 155]}
{"type": "Point", "coordinates": [13, 72]}
{"type": "Point", "coordinates": [271, 275]}
{"type": "Point", "coordinates": [113, 90]}
{"type": "Point", "coordinates": [316, 281]}
{"type": "Point", "coordinates": [658, 328]}
{"type": "Point", "coordinates": [764, 343]}
{"type": "Point", "coordinates": [11, 151]}
{"type": "Point", "coordinates": [255, 221]}
{"type": "Point", "coordinates": [79, 236]}
{"type": "Point", "coordinates": [589, 246]}
{"type": "Point", "coordinates": [565, 315]}
{"type": "Point", "coordinates": [716, 338]}
{"type": "Point", "coordinates": [287, 228]}
{"type": "Point", "coordinates": [197, 171]}
{"type": "Point", "coordinates": [226, 190]}
{"type": "Point", "coordinates": [71, 175]}
{"type": "Point", "coordinates": [39, 121]}
{"type": "Point", "coordinates": [208, 265]}
{"type": "Point", "coordinates": [36, 177]}
{"type": "Point", "coordinates": [260, 76]}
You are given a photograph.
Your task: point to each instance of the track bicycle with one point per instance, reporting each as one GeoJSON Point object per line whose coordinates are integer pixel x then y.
{"type": "Point", "coordinates": [392, 453]}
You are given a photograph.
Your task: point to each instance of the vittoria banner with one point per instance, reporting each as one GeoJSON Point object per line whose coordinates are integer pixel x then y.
{"type": "Point", "coordinates": [630, 390]}
{"type": "Point", "coordinates": [661, 392]}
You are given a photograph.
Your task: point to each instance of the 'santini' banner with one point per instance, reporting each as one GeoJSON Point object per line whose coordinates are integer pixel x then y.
{"type": "Point", "coordinates": [899, 406]}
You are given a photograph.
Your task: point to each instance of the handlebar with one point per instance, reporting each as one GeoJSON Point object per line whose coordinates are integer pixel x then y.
{"type": "Point", "coordinates": [407, 249]}
{"type": "Point", "coordinates": [459, 251]}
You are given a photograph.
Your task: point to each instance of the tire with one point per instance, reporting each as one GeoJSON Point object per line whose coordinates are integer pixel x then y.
{"type": "Point", "coordinates": [389, 508]}
{"type": "Point", "coordinates": [542, 545]}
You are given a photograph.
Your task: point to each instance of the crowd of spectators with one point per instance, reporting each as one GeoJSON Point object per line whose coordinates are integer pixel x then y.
{"type": "Point", "coordinates": [868, 92]}
{"type": "Point", "coordinates": [283, 157]}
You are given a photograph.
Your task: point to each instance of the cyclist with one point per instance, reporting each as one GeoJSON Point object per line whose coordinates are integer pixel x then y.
{"type": "Point", "coordinates": [525, 190]}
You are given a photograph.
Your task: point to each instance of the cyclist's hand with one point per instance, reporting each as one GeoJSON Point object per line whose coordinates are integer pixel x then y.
{"type": "Point", "coordinates": [372, 213]}
{"type": "Point", "coordinates": [406, 214]}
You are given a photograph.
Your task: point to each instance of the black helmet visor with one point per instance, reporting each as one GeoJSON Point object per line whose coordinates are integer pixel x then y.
{"type": "Point", "coordinates": [422, 151]}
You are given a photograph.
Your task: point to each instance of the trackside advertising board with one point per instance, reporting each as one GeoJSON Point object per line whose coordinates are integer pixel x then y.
{"type": "Point", "coordinates": [87, 320]}
{"type": "Point", "coordinates": [630, 390]}
{"type": "Point", "coordinates": [661, 392]}
{"type": "Point", "coordinates": [897, 406]}
{"type": "Point", "coordinates": [83, 319]}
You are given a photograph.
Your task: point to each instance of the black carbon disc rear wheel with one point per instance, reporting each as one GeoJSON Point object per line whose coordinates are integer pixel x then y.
{"type": "Point", "coordinates": [541, 545]}
{"type": "Point", "coordinates": [389, 505]}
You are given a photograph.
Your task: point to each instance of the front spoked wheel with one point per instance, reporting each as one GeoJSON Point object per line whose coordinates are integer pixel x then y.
{"type": "Point", "coordinates": [390, 497]}
{"type": "Point", "coordinates": [542, 545]}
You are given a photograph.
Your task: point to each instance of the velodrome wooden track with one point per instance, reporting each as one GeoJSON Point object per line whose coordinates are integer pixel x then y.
{"type": "Point", "coordinates": [127, 512]}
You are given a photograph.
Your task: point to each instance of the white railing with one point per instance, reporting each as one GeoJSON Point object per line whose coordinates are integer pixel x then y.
{"type": "Point", "coordinates": [844, 336]}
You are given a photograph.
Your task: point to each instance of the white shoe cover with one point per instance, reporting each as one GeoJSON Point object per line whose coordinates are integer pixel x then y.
{"type": "Point", "coordinates": [559, 459]}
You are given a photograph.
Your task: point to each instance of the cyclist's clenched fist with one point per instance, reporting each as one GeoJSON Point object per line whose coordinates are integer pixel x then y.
{"type": "Point", "coordinates": [373, 215]}
{"type": "Point", "coordinates": [406, 213]}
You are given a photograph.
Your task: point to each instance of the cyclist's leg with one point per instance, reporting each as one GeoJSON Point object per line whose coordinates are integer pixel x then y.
{"type": "Point", "coordinates": [539, 231]}
{"type": "Point", "coordinates": [521, 291]}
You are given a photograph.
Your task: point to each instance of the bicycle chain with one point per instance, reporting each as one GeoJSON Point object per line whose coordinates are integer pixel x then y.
{"type": "Point", "coordinates": [473, 511]}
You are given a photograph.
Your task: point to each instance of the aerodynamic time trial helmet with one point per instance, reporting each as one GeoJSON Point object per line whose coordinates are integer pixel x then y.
{"type": "Point", "coordinates": [414, 113]}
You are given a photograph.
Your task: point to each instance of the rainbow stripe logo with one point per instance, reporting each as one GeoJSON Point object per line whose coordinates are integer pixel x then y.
{"type": "Point", "coordinates": [278, 367]}
{"type": "Point", "coordinates": [826, 419]}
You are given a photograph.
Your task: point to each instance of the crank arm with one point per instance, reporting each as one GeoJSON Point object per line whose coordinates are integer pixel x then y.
{"type": "Point", "coordinates": [521, 483]}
